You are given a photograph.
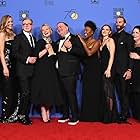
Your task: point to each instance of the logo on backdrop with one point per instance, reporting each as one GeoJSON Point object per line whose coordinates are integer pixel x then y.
{"type": "Point", "coordinates": [49, 2]}
{"type": "Point", "coordinates": [3, 3]}
{"type": "Point", "coordinates": [94, 1]}
{"type": "Point", "coordinates": [71, 14]}
{"type": "Point", "coordinates": [118, 12]}
{"type": "Point", "coordinates": [23, 14]}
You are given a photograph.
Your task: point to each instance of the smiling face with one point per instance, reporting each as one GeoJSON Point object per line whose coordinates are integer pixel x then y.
{"type": "Point", "coordinates": [27, 25]}
{"type": "Point", "coordinates": [62, 29]}
{"type": "Point", "coordinates": [105, 31]}
{"type": "Point", "coordinates": [46, 31]}
{"type": "Point", "coordinates": [88, 32]}
{"type": "Point", "coordinates": [9, 23]}
{"type": "Point", "coordinates": [136, 34]}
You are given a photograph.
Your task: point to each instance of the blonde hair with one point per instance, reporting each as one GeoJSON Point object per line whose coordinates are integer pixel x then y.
{"type": "Point", "coordinates": [3, 24]}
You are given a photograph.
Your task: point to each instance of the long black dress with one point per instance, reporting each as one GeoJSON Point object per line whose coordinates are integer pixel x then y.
{"type": "Point", "coordinates": [135, 87]}
{"type": "Point", "coordinates": [9, 88]}
{"type": "Point", "coordinates": [91, 106]}
{"type": "Point", "coordinates": [45, 84]}
{"type": "Point", "coordinates": [110, 104]}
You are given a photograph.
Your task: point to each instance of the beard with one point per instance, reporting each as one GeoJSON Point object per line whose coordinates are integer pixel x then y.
{"type": "Point", "coordinates": [119, 28]}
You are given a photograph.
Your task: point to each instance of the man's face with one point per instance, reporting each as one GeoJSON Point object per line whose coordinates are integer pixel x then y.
{"type": "Point", "coordinates": [27, 25]}
{"type": "Point", "coordinates": [62, 29]}
{"type": "Point", "coordinates": [120, 24]}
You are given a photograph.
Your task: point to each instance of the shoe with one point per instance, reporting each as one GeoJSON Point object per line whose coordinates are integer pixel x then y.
{"type": "Point", "coordinates": [123, 118]}
{"type": "Point", "coordinates": [47, 121]}
{"type": "Point", "coordinates": [63, 119]}
{"type": "Point", "coordinates": [73, 122]}
{"type": "Point", "coordinates": [24, 120]}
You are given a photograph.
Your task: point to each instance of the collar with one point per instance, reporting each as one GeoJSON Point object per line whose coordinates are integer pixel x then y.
{"type": "Point", "coordinates": [67, 35]}
{"type": "Point", "coordinates": [27, 33]}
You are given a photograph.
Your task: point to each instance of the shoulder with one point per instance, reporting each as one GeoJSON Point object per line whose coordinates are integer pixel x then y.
{"type": "Point", "coordinates": [98, 41]}
{"type": "Point", "coordinates": [111, 40]}
{"type": "Point", "coordinates": [2, 34]}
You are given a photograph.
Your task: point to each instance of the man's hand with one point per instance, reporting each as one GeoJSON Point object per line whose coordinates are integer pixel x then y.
{"type": "Point", "coordinates": [127, 75]}
{"type": "Point", "coordinates": [32, 60]}
{"type": "Point", "coordinates": [67, 43]}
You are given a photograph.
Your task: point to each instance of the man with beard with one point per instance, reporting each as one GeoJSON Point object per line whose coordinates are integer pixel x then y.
{"type": "Point", "coordinates": [122, 65]}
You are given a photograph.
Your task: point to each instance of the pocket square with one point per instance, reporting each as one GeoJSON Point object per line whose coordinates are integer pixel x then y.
{"type": "Point", "coordinates": [121, 43]}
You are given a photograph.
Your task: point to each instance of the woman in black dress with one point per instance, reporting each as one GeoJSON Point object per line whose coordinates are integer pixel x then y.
{"type": "Point", "coordinates": [91, 108]}
{"type": "Point", "coordinates": [107, 52]}
{"type": "Point", "coordinates": [7, 72]}
{"type": "Point", "coordinates": [135, 87]}
{"type": "Point", "coordinates": [45, 85]}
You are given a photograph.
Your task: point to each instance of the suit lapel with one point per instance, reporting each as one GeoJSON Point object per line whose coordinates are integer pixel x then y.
{"type": "Point", "coordinates": [26, 39]}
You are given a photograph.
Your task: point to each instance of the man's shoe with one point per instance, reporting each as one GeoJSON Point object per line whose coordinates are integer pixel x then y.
{"type": "Point", "coordinates": [73, 122]}
{"type": "Point", "coordinates": [63, 119]}
{"type": "Point", "coordinates": [24, 120]}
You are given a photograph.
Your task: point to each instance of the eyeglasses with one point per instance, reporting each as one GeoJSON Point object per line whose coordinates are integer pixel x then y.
{"type": "Point", "coordinates": [27, 24]}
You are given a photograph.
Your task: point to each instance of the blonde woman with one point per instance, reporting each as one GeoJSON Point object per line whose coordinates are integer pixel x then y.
{"type": "Point", "coordinates": [7, 68]}
{"type": "Point", "coordinates": [45, 86]}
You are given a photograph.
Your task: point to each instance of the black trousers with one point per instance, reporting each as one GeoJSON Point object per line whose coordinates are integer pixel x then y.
{"type": "Point", "coordinates": [69, 93]}
{"type": "Point", "coordinates": [122, 91]}
{"type": "Point", "coordinates": [25, 91]}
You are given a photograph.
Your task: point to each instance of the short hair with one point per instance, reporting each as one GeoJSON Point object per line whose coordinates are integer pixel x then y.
{"type": "Point", "coordinates": [90, 24]}
{"type": "Point", "coordinates": [63, 23]}
{"type": "Point", "coordinates": [27, 18]}
{"type": "Point", "coordinates": [122, 18]}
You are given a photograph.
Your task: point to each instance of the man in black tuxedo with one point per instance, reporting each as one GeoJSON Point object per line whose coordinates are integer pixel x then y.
{"type": "Point", "coordinates": [122, 65]}
{"type": "Point", "coordinates": [70, 51]}
{"type": "Point", "coordinates": [23, 51]}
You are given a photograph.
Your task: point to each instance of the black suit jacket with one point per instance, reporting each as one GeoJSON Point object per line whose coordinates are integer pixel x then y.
{"type": "Point", "coordinates": [124, 44]}
{"type": "Point", "coordinates": [69, 62]}
{"type": "Point", "coordinates": [21, 51]}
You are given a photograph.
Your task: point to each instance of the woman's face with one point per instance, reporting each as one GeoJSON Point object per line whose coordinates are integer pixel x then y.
{"type": "Point", "coordinates": [88, 32]}
{"type": "Point", "coordinates": [136, 34]}
{"type": "Point", "coordinates": [105, 31]}
{"type": "Point", "coordinates": [9, 23]}
{"type": "Point", "coordinates": [46, 31]}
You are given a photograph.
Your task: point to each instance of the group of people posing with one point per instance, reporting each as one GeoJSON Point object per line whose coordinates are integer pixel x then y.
{"type": "Point", "coordinates": [45, 73]}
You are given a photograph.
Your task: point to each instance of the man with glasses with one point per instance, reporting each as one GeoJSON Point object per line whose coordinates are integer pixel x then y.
{"type": "Point", "coordinates": [24, 48]}
{"type": "Point", "coordinates": [70, 51]}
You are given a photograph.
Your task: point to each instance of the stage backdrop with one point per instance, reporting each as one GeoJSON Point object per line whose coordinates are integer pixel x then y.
{"type": "Point", "coordinates": [73, 12]}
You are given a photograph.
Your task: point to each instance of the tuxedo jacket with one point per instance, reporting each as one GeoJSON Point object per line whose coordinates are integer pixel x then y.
{"type": "Point", "coordinates": [21, 51]}
{"type": "Point", "coordinates": [124, 44]}
{"type": "Point", "coordinates": [69, 62]}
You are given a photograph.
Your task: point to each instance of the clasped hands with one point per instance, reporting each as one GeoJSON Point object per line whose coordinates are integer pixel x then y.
{"type": "Point", "coordinates": [31, 59]}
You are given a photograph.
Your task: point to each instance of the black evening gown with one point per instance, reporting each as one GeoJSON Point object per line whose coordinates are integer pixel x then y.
{"type": "Point", "coordinates": [135, 86]}
{"type": "Point", "coordinates": [110, 113]}
{"type": "Point", "coordinates": [91, 106]}
{"type": "Point", "coordinates": [9, 86]}
{"type": "Point", "coordinates": [45, 84]}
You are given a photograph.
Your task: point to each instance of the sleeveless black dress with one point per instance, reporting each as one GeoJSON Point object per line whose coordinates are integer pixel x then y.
{"type": "Point", "coordinates": [45, 84]}
{"type": "Point", "coordinates": [110, 115]}
{"type": "Point", "coordinates": [91, 105]}
{"type": "Point", "coordinates": [9, 87]}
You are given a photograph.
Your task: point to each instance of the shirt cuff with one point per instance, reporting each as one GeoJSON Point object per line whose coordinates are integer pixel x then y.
{"type": "Point", "coordinates": [27, 61]}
